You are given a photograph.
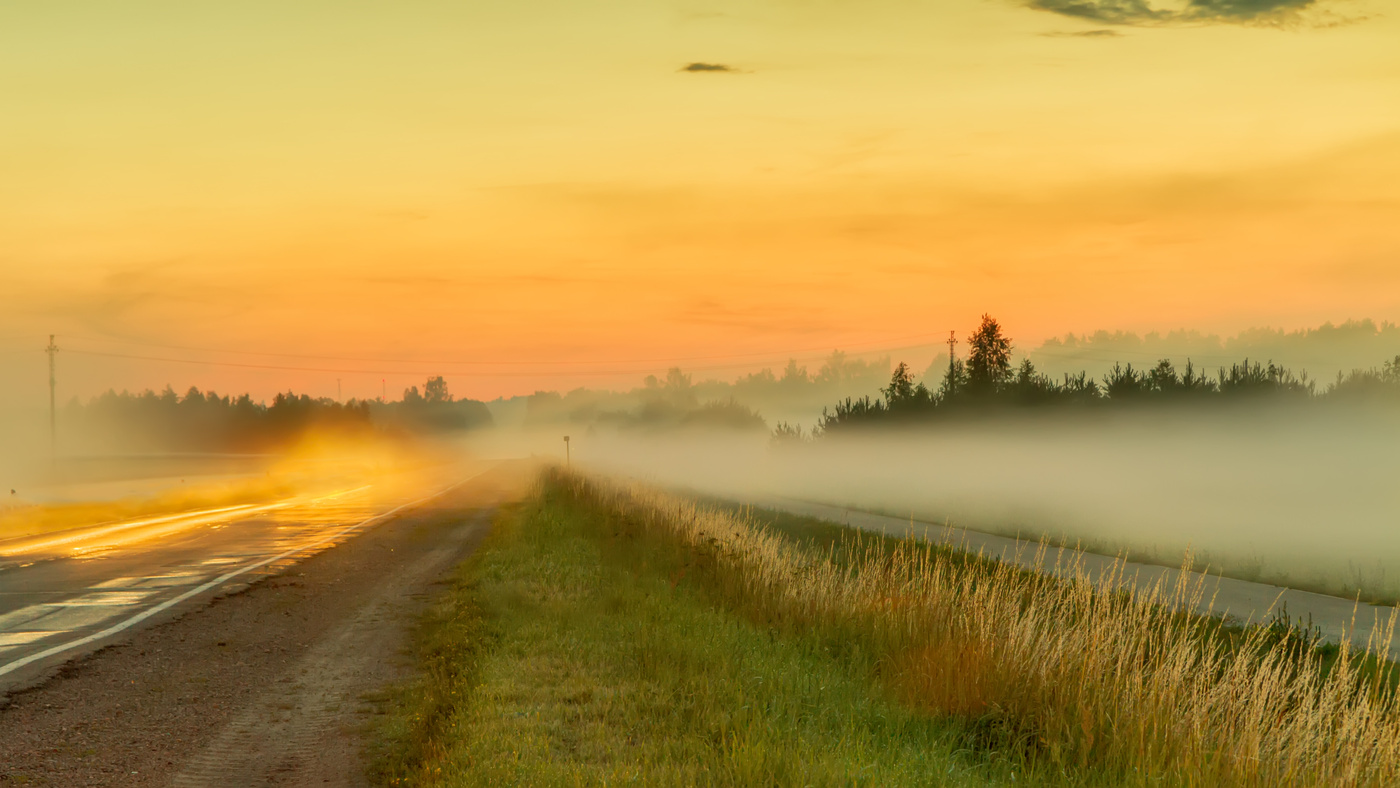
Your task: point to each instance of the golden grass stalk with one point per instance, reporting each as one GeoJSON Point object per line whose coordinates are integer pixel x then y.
{"type": "Point", "coordinates": [1068, 671]}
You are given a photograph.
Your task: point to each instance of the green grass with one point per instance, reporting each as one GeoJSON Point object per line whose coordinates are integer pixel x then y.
{"type": "Point", "coordinates": [568, 652]}
{"type": "Point", "coordinates": [608, 634]}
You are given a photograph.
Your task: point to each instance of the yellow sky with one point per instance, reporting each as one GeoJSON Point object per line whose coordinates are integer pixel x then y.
{"type": "Point", "coordinates": [540, 181]}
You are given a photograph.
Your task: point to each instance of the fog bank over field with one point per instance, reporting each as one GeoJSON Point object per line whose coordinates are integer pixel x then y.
{"type": "Point", "coordinates": [1274, 494]}
{"type": "Point", "coordinates": [24, 450]}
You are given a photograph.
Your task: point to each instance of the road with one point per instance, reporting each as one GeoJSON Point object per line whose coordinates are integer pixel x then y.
{"type": "Point", "coordinates": [271, 684]}
{"type": "Point", "coordinates": [67, 594]}
{"type": "Point", "coordinates": [1240, 599]}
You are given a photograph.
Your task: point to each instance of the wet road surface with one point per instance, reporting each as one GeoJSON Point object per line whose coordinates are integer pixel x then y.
{"type": "Point", "coordinates": [63, 595]}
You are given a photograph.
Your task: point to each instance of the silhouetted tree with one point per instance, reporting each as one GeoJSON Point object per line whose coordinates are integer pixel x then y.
{"type": "Point", "coordinates": [435, 390]}
{"type": "Point", "coordinates": [903, 395]}
{"type": "Point", "coordinates": [1080, 389]}
{"type": "Point", "coordinates": [901, 386]}
{"type": "Point", "coordinates": [1246, 378]}
{"type": "Point", "coordinates": [676, 391]}
{"type": "Point", "coordinates": [1124, 383]}
{"type": "Point", "coordinates": [793, 375]}
{"type": "Point", "coordinates": [954, 380]}
{"type": "Point", "coordinates": [1031, 387]}
{"type": "Point", "coordinates": [989, 359]}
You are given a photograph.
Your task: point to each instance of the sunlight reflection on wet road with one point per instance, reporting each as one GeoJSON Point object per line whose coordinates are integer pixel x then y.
{"type": "Point", "coordinates": [58, 589]}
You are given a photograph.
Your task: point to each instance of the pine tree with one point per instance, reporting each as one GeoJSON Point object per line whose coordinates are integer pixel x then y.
{"type": "Point", "coordinates": [989, 361]}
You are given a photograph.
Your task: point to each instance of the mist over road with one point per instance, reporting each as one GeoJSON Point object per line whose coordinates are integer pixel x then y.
{"type": "Point", "coordinates": [1241, 600]}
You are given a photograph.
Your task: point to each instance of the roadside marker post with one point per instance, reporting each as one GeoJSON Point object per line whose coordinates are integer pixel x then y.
{"type": "Point", "coordinates": [52, 350]}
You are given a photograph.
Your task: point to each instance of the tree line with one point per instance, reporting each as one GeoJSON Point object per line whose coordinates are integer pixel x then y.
{"type": "Point", "coordinates": [209, 422]}
{"type": "Point", "coordinates": [986, 381]}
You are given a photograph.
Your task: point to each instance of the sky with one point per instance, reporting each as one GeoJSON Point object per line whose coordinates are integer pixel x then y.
{"type": "Point", "coordinates": [544, 194]}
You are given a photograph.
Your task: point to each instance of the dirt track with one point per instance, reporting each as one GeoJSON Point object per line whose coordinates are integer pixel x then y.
{"type": "Point", "coordinates": [269, 686]}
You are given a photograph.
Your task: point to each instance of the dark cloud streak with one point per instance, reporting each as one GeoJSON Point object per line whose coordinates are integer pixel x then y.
{"type": "Point", "coordinates": [708, 67]}
{"type": "Point", "coordinates": [1147, 12]}
{"type": "Point", "coordinates": [1099, 33]}
{"type": "Point", "coordinates": [1116, 12]}
{"type": "Point", "coordinates": [1244, 10]}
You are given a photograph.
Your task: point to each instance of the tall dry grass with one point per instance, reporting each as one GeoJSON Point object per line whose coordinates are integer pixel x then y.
{"type": "Point", "coordinates": [1076, 675]}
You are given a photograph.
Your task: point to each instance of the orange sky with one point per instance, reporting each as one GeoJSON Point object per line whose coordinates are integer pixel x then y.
{"type": "Point", "coordinates": [540, 181]}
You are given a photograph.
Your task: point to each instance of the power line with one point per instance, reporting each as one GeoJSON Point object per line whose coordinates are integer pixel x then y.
{"type": "Point", "coordinates": [1115, 355]}
{"type": "Point", "coordinates": [512, 362]}
{"type": "Point", "coordinates": [574, 372]}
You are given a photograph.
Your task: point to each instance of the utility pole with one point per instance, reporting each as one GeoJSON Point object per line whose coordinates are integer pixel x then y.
{"type": "Point", "coordinates": [568, 461]}
{"type": "Point", "coordinates": [383, 390]}
{"type": "Point", "coordinates": [952, 365]}
{"type": "Point", "coordinates": [52, 350]}
{"type": "Point", "coordinates": [337, 389]}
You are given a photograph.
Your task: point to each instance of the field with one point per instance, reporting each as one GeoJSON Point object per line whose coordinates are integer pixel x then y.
{"type": "Point", "coordinates": [609, 634]}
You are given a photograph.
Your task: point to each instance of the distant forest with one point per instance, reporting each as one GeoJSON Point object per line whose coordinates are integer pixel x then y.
{"type": "Point", "coordinates": [987, 382]}
{"type": "Point", "coordinates": [208, 422]}
{"type": "Point", "coordinates": [1323, 350]}
{"type": "Point", "coordinates": [678, 401]}
{"type": "Point", "coordinates": [841, 393]}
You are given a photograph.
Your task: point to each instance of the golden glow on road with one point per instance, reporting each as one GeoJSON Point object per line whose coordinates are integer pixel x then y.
{"type": "Point", "coordinates": [131, 532]}
{"type": "Point", "coordinates": [114, 534]}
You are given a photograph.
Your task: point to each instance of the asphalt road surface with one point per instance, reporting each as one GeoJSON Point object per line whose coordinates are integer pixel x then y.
{"type": "Point", "coordinates": [66, 594]}
{"type": "Point", "coordinates": [227, 682]}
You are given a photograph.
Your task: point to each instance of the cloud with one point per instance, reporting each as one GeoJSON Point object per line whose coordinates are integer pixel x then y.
{"type": "Point", "coordinates": [703, 67]}
{"type": "Point", "coordinates": [1244, 10]}
{"type": "Point", "coordinates": [1118, 12]}
{"type": "Point", "coordinates": [1149, 12]}
{"type": "Point", "coordinates": [1099, 33]}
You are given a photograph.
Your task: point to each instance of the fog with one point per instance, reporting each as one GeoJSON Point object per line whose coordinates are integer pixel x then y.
{"type": "Point", "coordinates": [25, 458]}
{"type": "Point", "coordinates": [1282, 494]}
{"type": "Point", "coordinates": [1292, 494]}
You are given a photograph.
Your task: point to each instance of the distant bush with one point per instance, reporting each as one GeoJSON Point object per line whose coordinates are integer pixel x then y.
{"type": "Point", "coordinates": [663, 413]}
{"type": "Point", "coordinates": [434, 410]}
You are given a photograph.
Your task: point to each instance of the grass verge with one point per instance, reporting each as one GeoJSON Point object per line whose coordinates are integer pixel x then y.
{"type": "Point", "coordinates": [574, 650]}
{"type": "Point", "coordinates": [612, 633]}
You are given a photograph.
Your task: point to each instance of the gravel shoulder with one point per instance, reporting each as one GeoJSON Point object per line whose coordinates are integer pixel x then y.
{"type": "Point", "coordinates": [268, 685]}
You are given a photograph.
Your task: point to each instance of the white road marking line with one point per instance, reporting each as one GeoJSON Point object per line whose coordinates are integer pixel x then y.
{"type": "Point", "coordinates": [169, 603]}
